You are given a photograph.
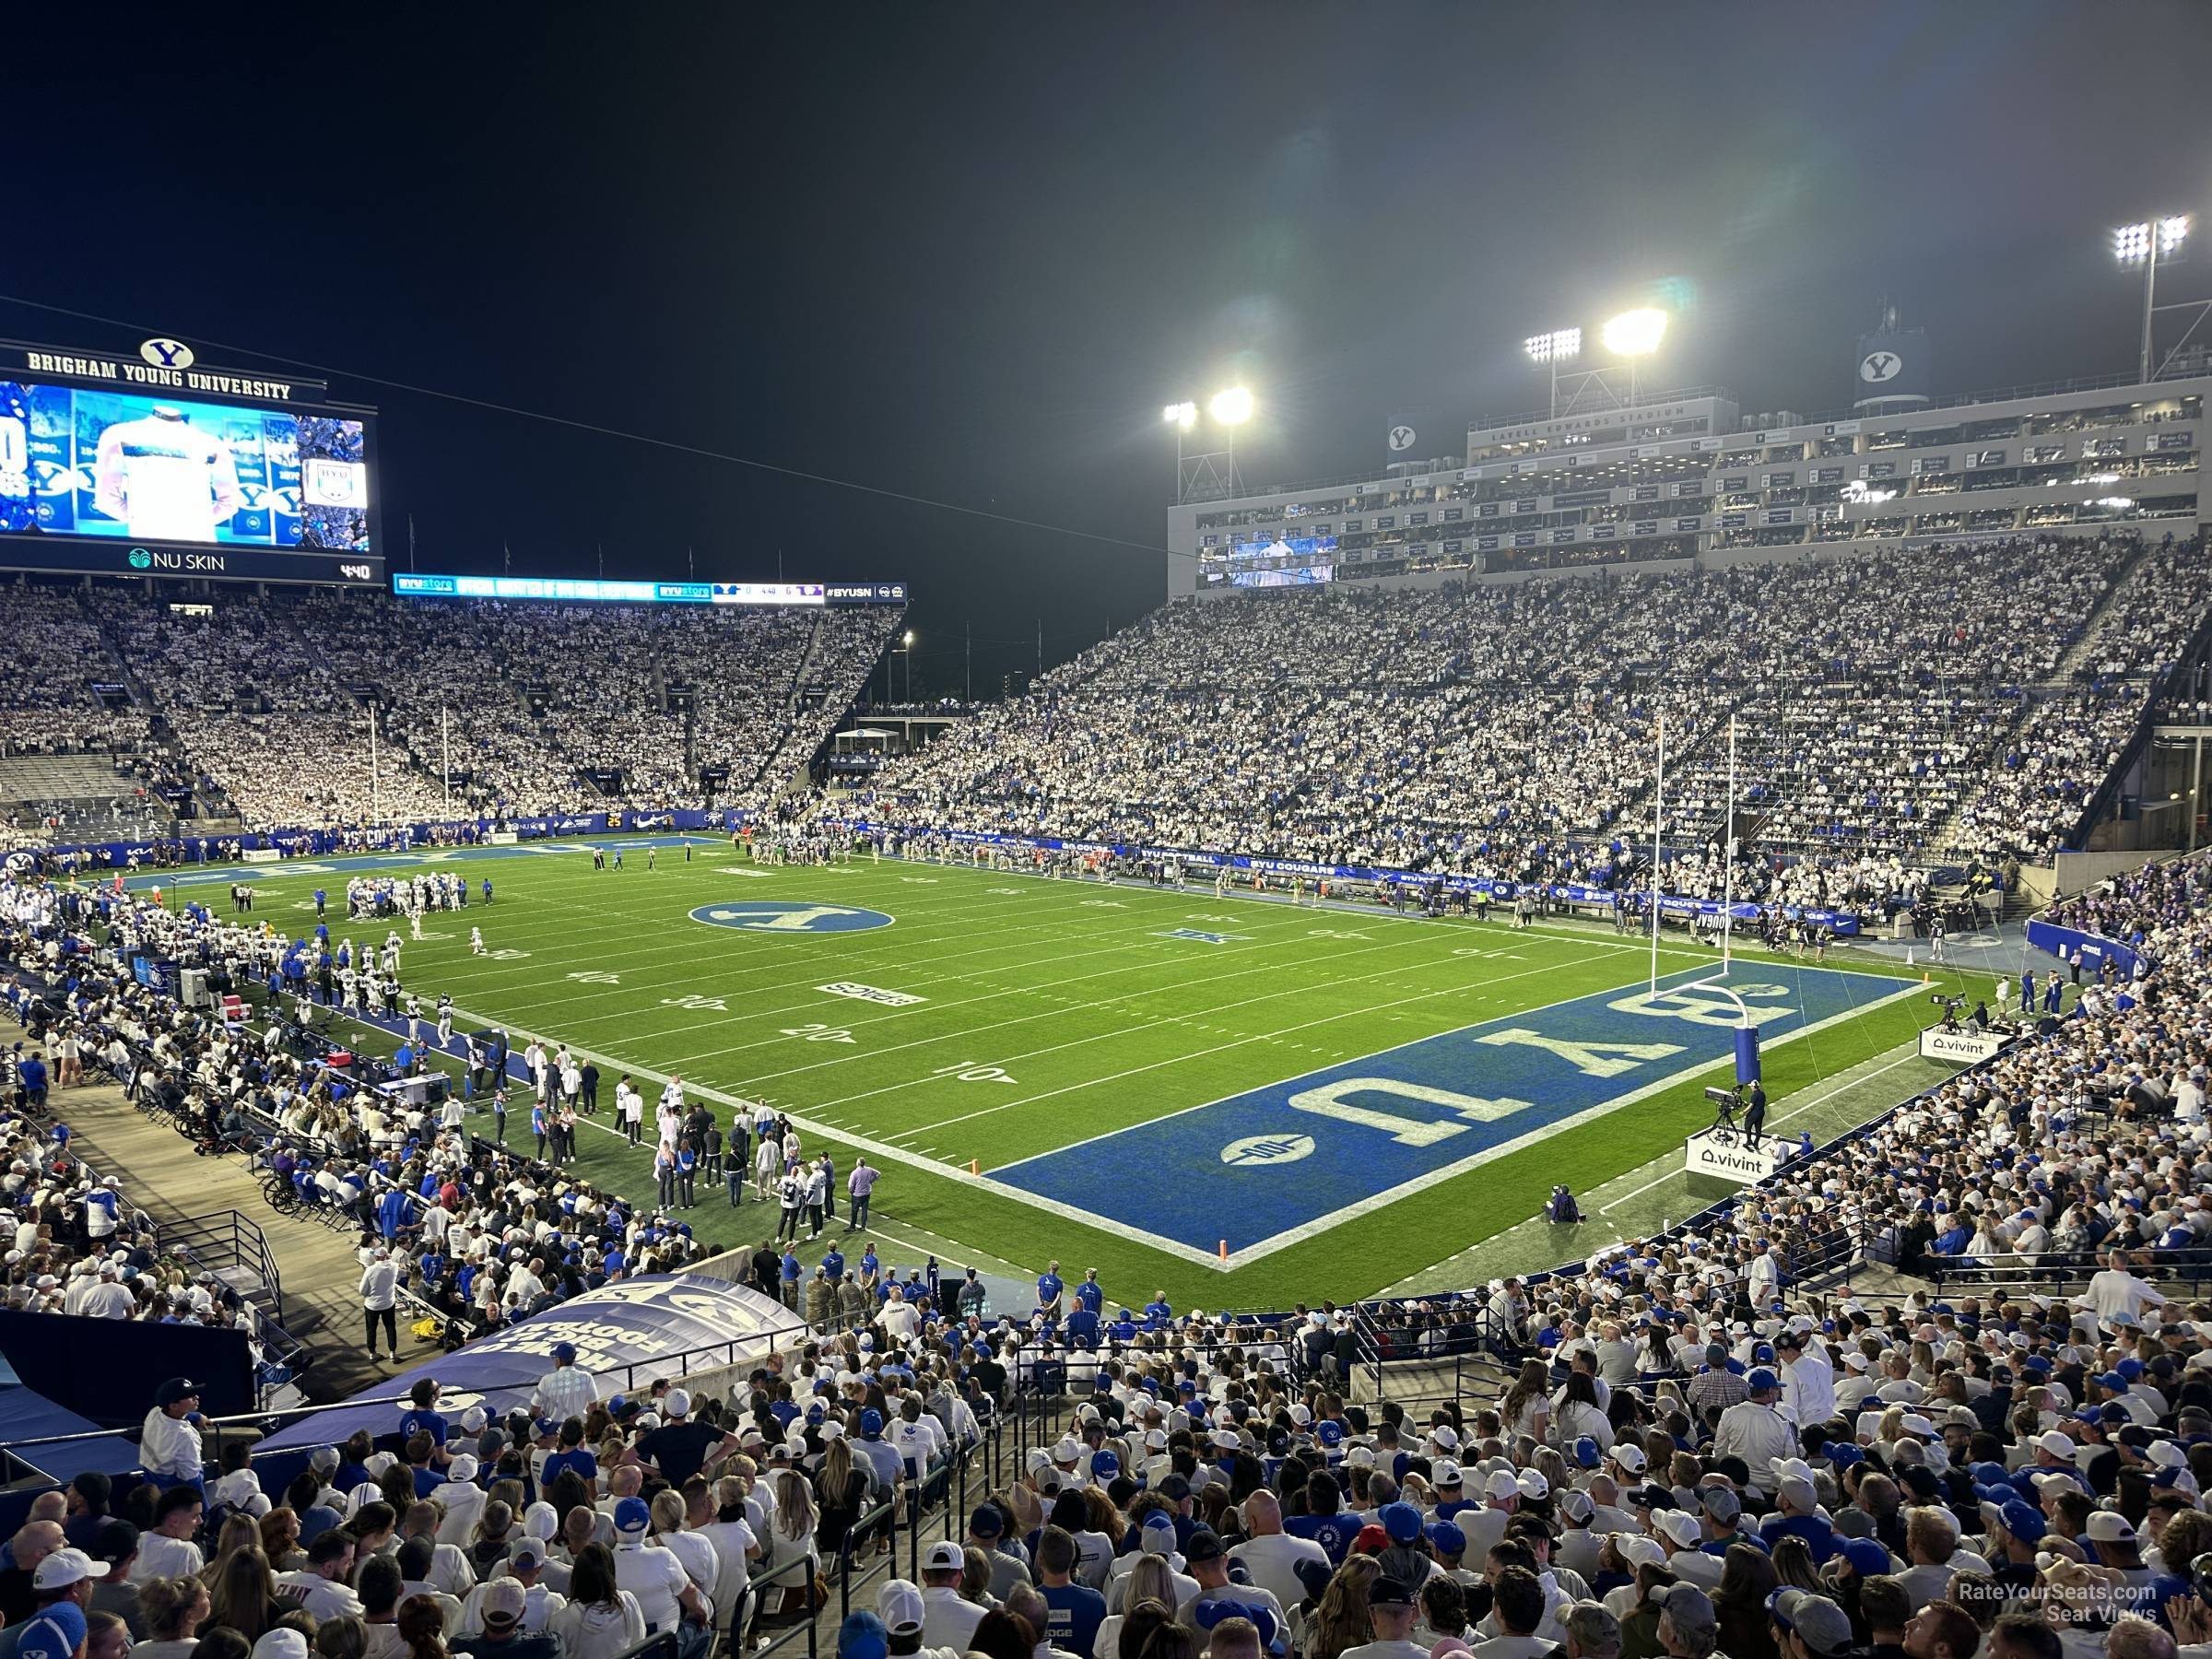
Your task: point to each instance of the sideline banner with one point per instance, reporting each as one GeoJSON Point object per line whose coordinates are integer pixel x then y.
{"type": "Point", "coordinates": [655, 1321]}
{"type": "Point", "coordinates": [1843, 922]}
{"type": "Point", "coordinates": [272, 846]}
{"type": "Point", "coordinates": [2096, 950]}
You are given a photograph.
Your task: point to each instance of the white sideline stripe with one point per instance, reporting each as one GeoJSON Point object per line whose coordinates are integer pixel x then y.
{"type": "Point", "coordinates": [890, 1154]}
{"type": "Point", "coordinates": [1490, 1154]}
{"type": "Point", "coordinates": [895, 1154]}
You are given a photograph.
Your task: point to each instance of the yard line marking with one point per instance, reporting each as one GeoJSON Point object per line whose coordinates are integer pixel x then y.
{"type": "Point", "coordinates": [1148, 990]}
{"type": "Point", "coordinates": [1153, 1065]}
{"type": "Point", "coordinates": [996, 951]}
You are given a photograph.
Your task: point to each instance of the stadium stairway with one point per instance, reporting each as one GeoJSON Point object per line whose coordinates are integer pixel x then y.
{"type": "Point", "coordinates": [161, 1175]}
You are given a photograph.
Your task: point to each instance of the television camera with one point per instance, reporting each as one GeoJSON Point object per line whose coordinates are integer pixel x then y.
{"type": "Point", "coordinates": [1726, 1103]}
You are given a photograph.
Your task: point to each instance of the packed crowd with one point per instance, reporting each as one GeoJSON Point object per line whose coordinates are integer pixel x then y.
{"type": "Point", "coordinates": [1695, 1458]}
{"type": "Point", "coordinates": [1691, 1462]}
{"type": "Point", "coordinates": [467, 1232]}
{"type": "Point", "coordinates": [541, 708]}
{"type": "Point", "coordinates": [1886, 709]}
{"type": "Point", "coordinates": [77, 1245]}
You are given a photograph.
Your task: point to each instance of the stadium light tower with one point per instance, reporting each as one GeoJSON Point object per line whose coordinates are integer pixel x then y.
{"type": "Point", "coordinates": [1626, 338]}
{"type": "Point", "coordinates": [1211, 474]}
{"type": "Point", "coordinates": [905, 648]}
{"type": "Point", "coordinates": [1549, 350]}
{"type": "Point", "coordinates": [1183, 417]}
{"type": "Point", "coordinates": [1634, 336]}
{"type": "Point", "coordinates": [2147, 243]}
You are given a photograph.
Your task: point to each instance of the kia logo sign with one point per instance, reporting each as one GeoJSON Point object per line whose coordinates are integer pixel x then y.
{"type": "Point", "coordinates": [166, 354]}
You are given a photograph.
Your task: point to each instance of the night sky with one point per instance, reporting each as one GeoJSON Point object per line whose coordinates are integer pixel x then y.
{"type": "Point", "coordinates": [968, 251]}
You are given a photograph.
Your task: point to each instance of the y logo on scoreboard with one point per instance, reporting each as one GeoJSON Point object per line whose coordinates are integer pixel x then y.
{"type": "Point", "coordinates": [771, 916]}
{"type": "Point", "coordinates": [166, 354]}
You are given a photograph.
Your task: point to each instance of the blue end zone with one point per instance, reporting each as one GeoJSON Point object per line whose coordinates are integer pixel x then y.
{"type": "Point", "coordinates": [1279, 1163]}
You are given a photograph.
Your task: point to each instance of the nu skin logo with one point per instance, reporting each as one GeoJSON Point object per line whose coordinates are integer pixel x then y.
{"type": "Point", "coordinates": [166, 354]}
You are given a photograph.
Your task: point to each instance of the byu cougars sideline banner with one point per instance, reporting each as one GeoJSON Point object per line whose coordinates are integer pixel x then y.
{"type": "Point", "coordinates": [651, 1323]}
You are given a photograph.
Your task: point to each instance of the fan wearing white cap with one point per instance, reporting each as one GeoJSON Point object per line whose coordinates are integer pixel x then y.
{"type": "Point", "coordinates": [1682, 1536]}
{"type": "Point", "coordinates": [682, 1445]}
{"type": "Point", "coordinates": [463, 1501]}
{"type": "Point", "coordinates": [948, 1619]}
{"type": "Point", "coordinates": [1483, 1528]}
{"type": "Point", "coordinates": [524, 1568]}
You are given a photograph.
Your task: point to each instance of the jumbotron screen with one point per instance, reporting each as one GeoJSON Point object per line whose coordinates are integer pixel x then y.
{"type": "Point", "coordinates": [142, 467]}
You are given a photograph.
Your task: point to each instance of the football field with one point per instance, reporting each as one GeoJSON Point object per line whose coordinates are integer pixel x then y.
{"type": "Point", "coordinates": [1241, 1101]}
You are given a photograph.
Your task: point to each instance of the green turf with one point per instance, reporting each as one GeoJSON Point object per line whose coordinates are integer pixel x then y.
{"type": "Point", "coordinates": [1065, 988]}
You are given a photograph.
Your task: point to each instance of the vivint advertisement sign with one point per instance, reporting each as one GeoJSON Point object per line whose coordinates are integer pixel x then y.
{"type": "Point", "coordinates": [1961, 1047]}
{"type": "Point", "coordinates": [1734, 1159]}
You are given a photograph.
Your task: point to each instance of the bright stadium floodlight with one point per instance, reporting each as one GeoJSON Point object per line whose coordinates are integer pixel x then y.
{"type": "Point", "coordinates": [1635, 333]}
{"type": "Point", "coordinates": [1232, 407]}
{"type": "Point", "coordinates": [1184, 416]}
{"type": "Point", "coordinates": [2150, 243]}
{"type": "Point", "coordinates": [1556, 346]}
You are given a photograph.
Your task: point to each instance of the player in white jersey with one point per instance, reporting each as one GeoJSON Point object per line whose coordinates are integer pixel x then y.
{"type": "Point", "coordinates": [165, 479]}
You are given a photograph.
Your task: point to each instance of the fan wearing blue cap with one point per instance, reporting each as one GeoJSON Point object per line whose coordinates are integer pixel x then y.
{"type": "Point", "coordinates": [1207, 1558]}
{"type": "Point", "coordinates": [2016, 1530]}
{"type": "Point", "coordinates": [655, 1577]}
{"type": "Point", "coordinates": [1753, 1431]}
{"type": "Point", "coordinates": [1009, 1562]}
{"type": "Point", "coordinates": [568, 1390]}
{"type": "Point", "coordinates": [55, 1631]}
{"type": "Point", "coordinates": [1209, 1616]}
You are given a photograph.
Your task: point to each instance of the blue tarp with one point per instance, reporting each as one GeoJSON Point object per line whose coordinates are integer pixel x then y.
{"type": "Point", "coordinates": [643, 1323]}
{"type": "Point", "coordinates": [28, 1415]}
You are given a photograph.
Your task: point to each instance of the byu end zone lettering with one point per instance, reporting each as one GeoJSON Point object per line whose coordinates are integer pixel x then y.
{"type": "Point", "coordinates": [776, 916]}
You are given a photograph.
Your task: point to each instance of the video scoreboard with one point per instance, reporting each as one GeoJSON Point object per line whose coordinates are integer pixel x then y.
{"type": "Point", "coordinates": [588, 590]}
{"type": "Point", "coordinates": [155, 464]}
